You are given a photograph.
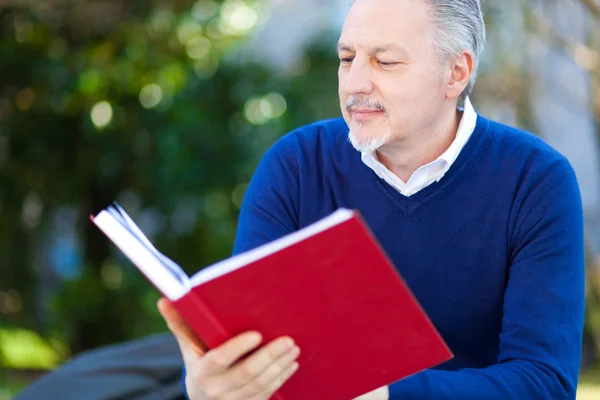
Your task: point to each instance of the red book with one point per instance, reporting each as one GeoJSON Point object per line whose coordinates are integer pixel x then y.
{"type": "Point", "coordinates": [329, 286]}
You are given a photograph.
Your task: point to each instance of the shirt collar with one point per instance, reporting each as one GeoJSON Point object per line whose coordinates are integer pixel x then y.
{"type": "Point", "coordinates": [465, 128]}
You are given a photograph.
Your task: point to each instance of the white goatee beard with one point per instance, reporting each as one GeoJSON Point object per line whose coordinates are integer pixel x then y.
{"type": "Point", "coordinates": [370, 144]}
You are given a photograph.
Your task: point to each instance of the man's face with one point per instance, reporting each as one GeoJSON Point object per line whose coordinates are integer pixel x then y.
{"type": "Point", "coordinates": [391, 83]}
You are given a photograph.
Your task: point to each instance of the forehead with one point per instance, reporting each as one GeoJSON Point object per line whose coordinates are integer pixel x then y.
{"type": "Point", "coordinates": [373, 23]}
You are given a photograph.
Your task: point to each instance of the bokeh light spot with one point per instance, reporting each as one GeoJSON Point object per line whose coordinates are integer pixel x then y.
{"type": "Point", "coordinates": [151, 95]}
{"type": "Point", "coordinates": [237, 18]}
{"type": "Point", "coordinates": [198, 47]}
{"type": "Point", "coordinates": [204, 10]}
{"type": "Point", "coordinates": [24, 99]}
{"type": "Point", "coordinates": [102, 114]}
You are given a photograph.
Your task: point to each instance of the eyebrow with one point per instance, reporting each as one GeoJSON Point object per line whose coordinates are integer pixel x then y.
{"type": "Point", "coordinates": [376, 50]}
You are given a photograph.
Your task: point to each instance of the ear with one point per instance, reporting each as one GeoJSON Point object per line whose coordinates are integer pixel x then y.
{"type": "Point", "coordinates": [460, 74]}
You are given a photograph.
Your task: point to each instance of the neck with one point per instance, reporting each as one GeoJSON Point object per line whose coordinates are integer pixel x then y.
{"type": "Point", "coordinates": [405, 156]}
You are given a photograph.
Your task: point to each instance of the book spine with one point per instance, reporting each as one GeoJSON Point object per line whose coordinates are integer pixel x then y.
{"type": "Point", "coordinates": [201, 320]}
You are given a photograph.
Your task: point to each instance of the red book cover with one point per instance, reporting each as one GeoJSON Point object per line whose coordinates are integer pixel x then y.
{"type": "Point", "coordinates": [336, 293]}
{"type": "Point", "coordinates": [338, 296]}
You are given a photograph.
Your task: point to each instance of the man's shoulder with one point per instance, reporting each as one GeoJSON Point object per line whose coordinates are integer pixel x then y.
{"type": "Point", "coordinates": [334, 126]}
{"type": "Point", "coordinates": [318, 136]}
{"type": "Point", "coordinates": [524, 148]}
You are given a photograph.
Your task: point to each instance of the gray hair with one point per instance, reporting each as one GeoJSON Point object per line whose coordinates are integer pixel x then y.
{"type": "Point", "coordinates": [460, 27]}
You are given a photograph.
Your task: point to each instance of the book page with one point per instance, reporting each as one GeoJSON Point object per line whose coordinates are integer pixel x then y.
{"type": "Point", "coordinates": [240, 260]}
{"type": "Point", "coordinates": [126, 220]}
{"type": "Point", "coordinates": [169, 282]}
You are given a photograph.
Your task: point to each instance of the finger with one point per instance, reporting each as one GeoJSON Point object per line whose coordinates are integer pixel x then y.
{"type": "Point", "coordinates": [188, 342]}
{"type": "Point", "coordinates": [274, 376]}
{"type": "Point", "coordinates": [278, 382]}
{"type": "Point", "coordinates": [382, 393]}
{"type": "Point", "coordinates": [219, 359]}
{"type": "Point", "coordinates": [256, 373]}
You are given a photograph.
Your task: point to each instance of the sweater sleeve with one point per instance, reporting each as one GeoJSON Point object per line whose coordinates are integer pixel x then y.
{"type": "Point", "coordinates": [270, 207]}
{"type": "Point", "coordinates": [540, 341]}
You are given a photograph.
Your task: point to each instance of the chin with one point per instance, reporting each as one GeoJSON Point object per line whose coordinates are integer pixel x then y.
{"type": "Point", "coordinates": [368, 142]}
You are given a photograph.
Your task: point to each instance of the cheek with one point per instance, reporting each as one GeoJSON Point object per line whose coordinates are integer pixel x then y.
{"type": "Point", "coordinates": [341, 81]}
{"type": "Point", "coordinates": [342, 95]}
{"type": "Point", "coordinates": [413, 88]}
{"type": "Point", "coordinates": [400, 92]}
{"type": "Point", "coordinates": [435, 78]}
{"type": "Point", "coordinates": [406, 98]}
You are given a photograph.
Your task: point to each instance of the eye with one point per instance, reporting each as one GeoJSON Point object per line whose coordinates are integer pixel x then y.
{"type": "Point", "coordinates": [346, 60]}
{"type": "Point", "coordinates": [388, 63]}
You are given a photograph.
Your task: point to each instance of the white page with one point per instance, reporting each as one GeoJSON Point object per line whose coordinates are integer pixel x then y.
{"type": "Point", "coordinates": [161, 276]}
{"type": "Point", "coordinates": [122, 215]}
{"type": "Point", "coordinates": [240, 260]}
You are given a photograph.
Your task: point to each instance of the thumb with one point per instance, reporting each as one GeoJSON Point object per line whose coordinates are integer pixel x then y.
{"type": "Point", "coordinates": [189, 344]}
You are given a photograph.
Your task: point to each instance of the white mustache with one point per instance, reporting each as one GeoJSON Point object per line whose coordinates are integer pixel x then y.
{"type": "Point", "coordinates": [354, 102]}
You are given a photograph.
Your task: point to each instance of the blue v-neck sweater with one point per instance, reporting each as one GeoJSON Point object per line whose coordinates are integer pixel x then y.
{"type": "Point", "coordinates": [493, 251]}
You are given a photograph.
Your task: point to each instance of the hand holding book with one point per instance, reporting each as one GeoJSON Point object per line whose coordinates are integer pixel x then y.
{"type": "Point", "coordinates": [220, 374]}
{"type": "Point", "coordinates": [328, 286]}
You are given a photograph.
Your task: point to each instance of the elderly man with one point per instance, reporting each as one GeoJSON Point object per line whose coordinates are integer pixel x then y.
{"type": "Point", "coordinates": [483, 221]}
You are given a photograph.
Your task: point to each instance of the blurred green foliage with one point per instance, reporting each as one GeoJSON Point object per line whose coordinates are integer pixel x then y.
{"type": "Point", "coordinates": [149, 103]}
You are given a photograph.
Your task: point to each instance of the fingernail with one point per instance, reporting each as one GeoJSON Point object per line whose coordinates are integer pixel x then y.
{"type": "Point", "coordinates": [288, 343]}
{"type": "Point", "coordinates": [255, 338]}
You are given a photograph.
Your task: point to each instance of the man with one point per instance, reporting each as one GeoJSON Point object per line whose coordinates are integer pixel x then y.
{"type": "Point", "coordinates": [483, 221]}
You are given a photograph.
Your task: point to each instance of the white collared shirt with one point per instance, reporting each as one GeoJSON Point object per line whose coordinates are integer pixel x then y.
{"type": "Point", "coordinates": [435, 170]}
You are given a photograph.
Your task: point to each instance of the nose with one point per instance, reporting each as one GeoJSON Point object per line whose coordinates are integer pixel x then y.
{"type": "Point", "coordinates": [358, 78]}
